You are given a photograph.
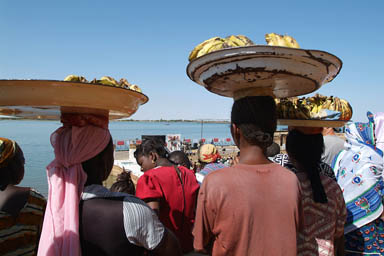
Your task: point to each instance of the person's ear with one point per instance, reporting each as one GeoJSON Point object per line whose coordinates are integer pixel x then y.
{"type": "Point", "coordinates": [235, 132]}
{"type": "Point", "coordinates": [153, 157]}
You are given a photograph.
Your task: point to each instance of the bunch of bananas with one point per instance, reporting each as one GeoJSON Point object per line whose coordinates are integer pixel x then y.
{"type": "Point", "coordinates": [105, 80]}
{"type": "Point", "coordinates": [279, 40]}
{"type": "Point", "coordinates": [218, 43]}
{"type": "Point", "coordinates": [309, 108]}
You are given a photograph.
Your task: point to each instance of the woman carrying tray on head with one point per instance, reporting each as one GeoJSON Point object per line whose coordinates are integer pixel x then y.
{"type": "Point", "coordinates": [21, 208]}
{"type": "Point", "coordinates": [239, 210]}
{"type": "Point", "coordinates": [82, 216]}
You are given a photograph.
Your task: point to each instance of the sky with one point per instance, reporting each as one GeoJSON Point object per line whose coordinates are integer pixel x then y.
{"type": "Point", "coordinates": [148, 43]}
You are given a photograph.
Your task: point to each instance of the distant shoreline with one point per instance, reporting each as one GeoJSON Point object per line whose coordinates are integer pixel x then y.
{"type": "Point", "coordinates": [143, 121]}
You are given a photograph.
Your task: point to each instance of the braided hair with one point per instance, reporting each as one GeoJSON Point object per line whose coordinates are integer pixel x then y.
{"type": "Point", "coordinates": [306, 150]}
{"type": "Point", "coordinates": [255, 116]}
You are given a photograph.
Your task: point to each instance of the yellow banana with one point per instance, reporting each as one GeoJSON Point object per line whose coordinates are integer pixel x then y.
{"type": "Point", "coordinates": [279, 40]}
{"type": "Point", "coordinates": [274, 39]}
{"type": "Point", "coordinates": [107, 80]}
{"type": "Point", "coordinates": [135, 88]}
{"type": "Point", "coordinates": [239, 40]}
{"type": "Point", "coordinates": [245, 39]}
{"type": "Point", "coordinates": [73, 78]}
{"type": "Point", "coordinates": [199, 47]}
{"type": "Point", "coordinates": [209, 45]}
{"type": "Point", "coordinates": [347, 110]}
{"type": "Point", "coordinates": [216, 47]}
{"type": "Point", "coordinates": [124, 83]}
{"type": "Point", "coordinates": [291, 42]}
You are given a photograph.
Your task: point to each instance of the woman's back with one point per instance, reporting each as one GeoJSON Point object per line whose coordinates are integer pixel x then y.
{"type": "Point", "coordinates": [249, 210]}
{"type": "Point", "coordinates": [99, 238]}
{"type": "Point", "coordinates": [20, 231]}
{"type": "Point", "coordinates": [323, 222]}
{"type": "Point", "coordinates": [117, 224]}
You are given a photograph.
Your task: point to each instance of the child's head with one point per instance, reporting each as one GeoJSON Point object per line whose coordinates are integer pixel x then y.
{"type": "Point", "coordinates": [124, 184]}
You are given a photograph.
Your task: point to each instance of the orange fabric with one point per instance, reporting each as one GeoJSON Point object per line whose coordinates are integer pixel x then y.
{"type": "Point", "coordinates": [249, 210]}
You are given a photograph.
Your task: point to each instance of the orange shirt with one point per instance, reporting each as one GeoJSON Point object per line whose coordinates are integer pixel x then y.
{"type": "Point", "coordinates": [249, 210]}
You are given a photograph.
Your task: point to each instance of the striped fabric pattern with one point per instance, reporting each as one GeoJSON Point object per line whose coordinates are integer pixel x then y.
{"type": "Point", "coordinates": [323, 222]}
{"type": "Point", "coordinates": [19, 235]}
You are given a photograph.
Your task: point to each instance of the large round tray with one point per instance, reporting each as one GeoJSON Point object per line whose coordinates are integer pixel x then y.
{"type": "Point", "coordinates": [264, 70]}
{"type": "Point", "coordinates": [311, 123]}
{"type": "Point", "coordinates": [46, 99]}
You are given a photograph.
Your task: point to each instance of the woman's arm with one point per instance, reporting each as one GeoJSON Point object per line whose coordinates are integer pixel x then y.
{"type": "Point", "coordinates": [154, 204]}
{"type": "Point", "coordinates": [169, 246]}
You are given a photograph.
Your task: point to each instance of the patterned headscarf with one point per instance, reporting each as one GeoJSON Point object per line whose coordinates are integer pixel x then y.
{"type": "Point", "coordinates": [358, 170]}
{"type": "Point", "coordinates": [7, 151]}
{"type": "Point", "coordinates": [81, 138]}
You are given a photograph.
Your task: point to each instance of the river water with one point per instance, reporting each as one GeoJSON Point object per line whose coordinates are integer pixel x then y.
{"type": "Point", "coordinates": [33, 137]}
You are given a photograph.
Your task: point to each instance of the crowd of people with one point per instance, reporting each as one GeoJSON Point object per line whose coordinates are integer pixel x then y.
{"type": "Point", "coordinates": [323, 197]}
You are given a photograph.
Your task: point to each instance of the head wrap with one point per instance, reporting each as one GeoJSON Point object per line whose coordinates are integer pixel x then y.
{"type": "Point", "coordinates": [359, 171]}
{"type": "Point", "coordinates": [7, 151]}
{"type": "Point", "coordinates": [208, 153]}
{"type": "Point", "coordinates": [81, 138]}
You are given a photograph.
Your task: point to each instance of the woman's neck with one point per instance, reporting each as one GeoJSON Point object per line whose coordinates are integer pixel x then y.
{"type": "Point", "coordinates": [163, 162]}
{"type": "Point", "coordinates": [252, 155]}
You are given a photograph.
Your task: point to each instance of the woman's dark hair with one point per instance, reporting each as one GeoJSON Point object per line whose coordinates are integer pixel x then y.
{"type": "Point", "coordinates": [273, 150]}
{"type": "Point", "coordinates": [98, 160]}
{"type": "Point", "coordinates": [124, 184]}
{"type": "Point", "coordinates": [151, 145]}
{"type": "Point", "coordinates": [178, 157]}
{"type": "Point", "coordinates": [306, 150]}
{"type": "Point", "coordinates": [256, 118]}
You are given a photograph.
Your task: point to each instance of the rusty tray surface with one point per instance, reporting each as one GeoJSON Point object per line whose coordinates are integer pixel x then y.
{"type": "Point", "coordinates": [264, 70]}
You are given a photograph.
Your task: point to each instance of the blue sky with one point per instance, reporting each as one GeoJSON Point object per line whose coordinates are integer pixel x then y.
{"type": "Point", "coordinates": [148, 42]}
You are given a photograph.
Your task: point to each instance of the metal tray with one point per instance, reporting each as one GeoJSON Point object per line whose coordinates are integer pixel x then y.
{"type": "Point", "coordinates": [46, 99]}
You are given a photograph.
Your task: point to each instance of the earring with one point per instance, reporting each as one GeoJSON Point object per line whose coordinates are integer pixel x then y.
{"type": "Point", "coordinates": [153, 162]}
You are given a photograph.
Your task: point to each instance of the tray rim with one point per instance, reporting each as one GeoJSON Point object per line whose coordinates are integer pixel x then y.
{"type": "Point", "coordinates": [34, 84]}
{"type": "Point", "coordinates": [242, 48]}
{"type": "Point", "coordinates": [263, 50]}
{"type": "Point", "coordinates": [312, 122]}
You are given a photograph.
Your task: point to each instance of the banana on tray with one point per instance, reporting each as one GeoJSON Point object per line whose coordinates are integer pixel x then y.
{"type": "Point", "coordinates": [105, 80]}
{"type": "Point", "coordinates": [316, 107]}
{"type": "Point", "coordinates": [218, 43]}
{"type": "Point", "coordinates": [279, 40]}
